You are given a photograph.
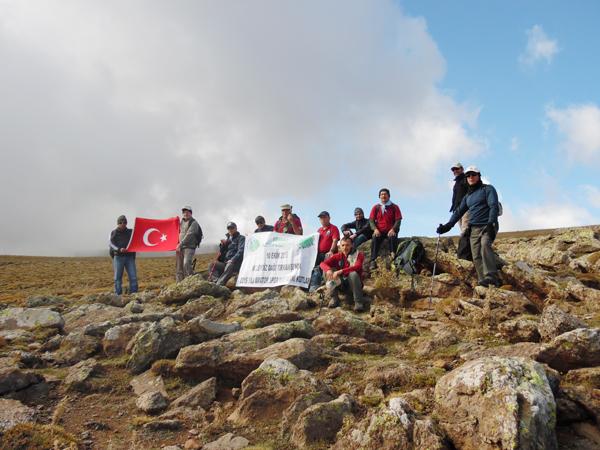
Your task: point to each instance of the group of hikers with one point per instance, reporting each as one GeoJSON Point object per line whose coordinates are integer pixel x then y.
{"type": "Point", "coordinates": [475, 207]}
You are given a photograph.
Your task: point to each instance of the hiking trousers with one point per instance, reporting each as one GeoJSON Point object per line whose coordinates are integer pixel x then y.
{"type": "Point", "coordinates": [484, 257]}
{"type": "Point", "coordinates": [351, 283]}
{"type": "Point", "coordinates": [377, 241]}
{"type": "Point", "coordinates": [184, 259]}
{"type": "Point", "coordinates": [222, 272]}
{"type": "Point", "coordinates": [120, 264]}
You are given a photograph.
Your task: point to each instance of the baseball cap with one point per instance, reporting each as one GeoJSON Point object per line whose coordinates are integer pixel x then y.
{"type": "Point", "coordinates": [187, 208]}
{"type": "Point", "coordinates": [472, 169]}
{"type": "Point", "coordinates": [456, 166]}
{"type": "Point", "coordinates": [231, 225]}
{"type": "Point", "coordinates": [323, 214]}
{"type": "Point", "coordinates": [286, 206]}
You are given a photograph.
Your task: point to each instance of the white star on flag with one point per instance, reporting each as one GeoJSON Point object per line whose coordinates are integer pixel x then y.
{"type": "Point", "coordinates": [163, 238]}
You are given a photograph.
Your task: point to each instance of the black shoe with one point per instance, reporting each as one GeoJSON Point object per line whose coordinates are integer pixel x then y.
{"type": "Point", "coordinates": [359, 307]}
{"type": "Point", "coordinates": [334, 303]}
{"type": "Point", "coordinates": [489, 281]}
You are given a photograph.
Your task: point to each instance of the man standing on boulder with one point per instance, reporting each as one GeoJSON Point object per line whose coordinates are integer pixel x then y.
{"type": "Point", "coordinates": [481, 202]}
{"type": "Point", "coordinates": [385, 219]}
{"type": "Point", "coordinates": [458, 193]}
{"type": "Point", "coordinates": [343, 272]}
{"type": "Point", "coordinates": [122, 259]}
{"type": "Point", "coordinates": [232, 251]}
{"type": "Point", "coordinates": [361, 226]}
{"type": "Point", "coordinates": [288, 222]}
{"type": "Point", "coordinates": [329, 235]}
{"type": "Point", "coordinates": [261, 226]}
{"type": "Point", "coordinates": [190, 236]}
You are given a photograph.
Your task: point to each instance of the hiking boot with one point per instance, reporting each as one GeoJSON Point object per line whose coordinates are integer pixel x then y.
{"type": "Point", "coordinates": [359, 307]}
{"type": "Point", "coordinates": [334, 302]}
{"type": "Point", "coordinates": [373, 265]}
{"type": "Point", "coordinates": [489, 281]}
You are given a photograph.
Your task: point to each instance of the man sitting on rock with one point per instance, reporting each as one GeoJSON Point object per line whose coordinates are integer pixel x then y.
{"type": "Point", "coordinates": [343, 272]}
{"type": "Point", "coordinates": [481, 202]}
{"type": "Point", "coordinates": [361, 226]}
{"type": "Point", "coordinates": [385, 219]}
{"type": "Point", "coordinates": [262, 227]}
{"type": "Point", "coordinates": [288, 222]}
{"type": "Point", "coordinates": [329, 235]}
{"type": "Point", "coordinates": [232, 254]}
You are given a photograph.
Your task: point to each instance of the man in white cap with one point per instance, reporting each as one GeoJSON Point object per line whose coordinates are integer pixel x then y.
{"type": "Point", "coordinates": [288, 222]}
{"type": "Point", "coordinates": [459, 191]}
{"type": "Point", "coordinates": [230, 259]}
{"type": "Point", "coordinates": [190, 236]}
{"type": "Point", "coordinates": [481, 202]}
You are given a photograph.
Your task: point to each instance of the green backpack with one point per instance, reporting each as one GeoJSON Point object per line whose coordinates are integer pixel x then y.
{"type": "Point", "coordinates": [409, 254]}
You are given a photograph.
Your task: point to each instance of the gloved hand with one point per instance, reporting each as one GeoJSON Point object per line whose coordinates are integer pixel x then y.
{"type": "Point", "coordinates": [490, 229]}
{"type": "Point", "coordinates": [443, 229]}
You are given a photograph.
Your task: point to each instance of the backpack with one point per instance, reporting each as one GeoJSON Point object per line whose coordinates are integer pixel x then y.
{"type": "Point", "coordinates": [500, 209]}
{"type": "Point", "coordinates": [409, 254]}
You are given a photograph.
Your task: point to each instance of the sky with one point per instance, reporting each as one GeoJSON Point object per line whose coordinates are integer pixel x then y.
{"type": "Point", "coordinates": [141, 107]}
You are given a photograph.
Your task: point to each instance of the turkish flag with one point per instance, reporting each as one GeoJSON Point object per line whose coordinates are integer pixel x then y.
{"type": "Point", "coordinates": [154, 235]}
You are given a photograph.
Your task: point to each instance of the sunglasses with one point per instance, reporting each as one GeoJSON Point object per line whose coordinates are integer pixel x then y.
{"type": "Point", "coordinates": [454, 169]}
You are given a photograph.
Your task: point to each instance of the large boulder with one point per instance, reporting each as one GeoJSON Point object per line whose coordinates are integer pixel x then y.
{"type": "Point", "coordinates": [515, 389]}
{"type": "Point", "coordinates": [321, 422]}
{"type": "Point", "coordinates": [277, 387]}
{"type": "Point", "coordinates": [203, 329]}
{"type": "Point", "coordinates": [191, 287]}
{"type": "Point", "coordinates": [13, 379]}
{"type": "Point", "coordinates": [117, 338]}
{"type": "Point", "coordinates": [30, 319]}
{"type": "Point", "coordinates": [339, 321]}
{"type": "Point", "coordinates": [159, 340]}
{"type": "Point", "coordinates": [572, 350]}
{"type": "Point", "coordinates": [205, 306]}
{"type": "Point", "coordinates": [38, 301]}
{"type": "Point", "coordinates": [13, 412]}
{"type": "Point", "coordinates": [76, 347]}
{"type": "Point", "coordinates": [79, 375]}
{"type": "Point", "coordinates": [200, 396]}
{"type": "Point", "coordinates": [520, 330]}
{"type": "Point", "coordinates": [395, 426]}
{"type": "Point", "coordinates": [83, 315]}
{"type": "Point", "coordinates": [555, 321]}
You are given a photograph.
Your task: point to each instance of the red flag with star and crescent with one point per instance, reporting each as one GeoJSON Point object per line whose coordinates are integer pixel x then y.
{"type": "Point", "coordinates": [154, 235]}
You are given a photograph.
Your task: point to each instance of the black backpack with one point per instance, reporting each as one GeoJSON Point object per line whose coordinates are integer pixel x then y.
{"type": "Point", "coordinates": [409, 255]}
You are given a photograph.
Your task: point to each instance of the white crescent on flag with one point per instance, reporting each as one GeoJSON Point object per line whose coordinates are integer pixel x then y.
{"type": "Point", "coordinates": [147, 235]}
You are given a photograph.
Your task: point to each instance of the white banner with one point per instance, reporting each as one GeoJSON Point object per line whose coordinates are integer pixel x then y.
{"type": "Point", "coordinates": [276, 259]}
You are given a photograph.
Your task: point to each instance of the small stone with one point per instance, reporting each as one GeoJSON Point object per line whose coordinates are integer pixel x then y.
{"type": "Point", "coordinates": [200, 396]}
{"type": "Point", "coordinates": [227, 442]}
{"type": "Point", "coordinates": [192, 444]}
{"type": "Point", "coordinates": [152, 402]}
{"type": "Point", "coordinates": [167, 424]}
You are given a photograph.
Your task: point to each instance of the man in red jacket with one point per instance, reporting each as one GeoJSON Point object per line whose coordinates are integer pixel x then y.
{"type": "Point", "coordinates": [385, 219]}
{"type": "Point", "coordinates": [343, 271]}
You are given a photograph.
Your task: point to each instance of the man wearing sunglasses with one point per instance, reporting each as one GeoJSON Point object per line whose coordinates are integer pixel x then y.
{"type": "Point", "coordinates": [122, 259]}
{"type": "Point", "coordinates": [458, 193]}
{"type": "Point", "coordinates": [481, 202]}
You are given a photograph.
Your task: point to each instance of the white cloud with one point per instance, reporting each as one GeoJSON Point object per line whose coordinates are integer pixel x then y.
{"type": "Point", "coordinates": [592, 194]}
{"type": "Point", "coordinates": [140, 107]}
{"type": "Point", "coordinates": [539, 47]}
{"type": "Point", "coordinates": [547, 215]}
{"type": "Point", "coordinates": [514, 144]}
{"type": "Point", "coordinates": [580, 127]}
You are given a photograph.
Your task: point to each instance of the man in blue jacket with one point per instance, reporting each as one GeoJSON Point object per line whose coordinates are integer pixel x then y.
{"type": "Point", "coordinates": [232, 254]}
{"type": "Point", "coordinates": [481, 202]}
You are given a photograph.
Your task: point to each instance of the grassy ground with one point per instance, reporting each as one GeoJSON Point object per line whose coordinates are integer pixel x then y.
{"type": "Point", "coordinates": [25, 276]}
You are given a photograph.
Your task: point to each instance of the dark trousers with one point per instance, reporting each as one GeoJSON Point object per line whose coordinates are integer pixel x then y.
{"type": "Point", "coordinates": [377, 241]}
{"type": "Point", "coordinates": [352, 283]}
{"type": "Point", "coordinates": [222, 272]}
{"type": "Point", "coordinates": [316, 277]}
{"type": "Point", "coordinates": [484, 257]}
{"type": "Point", "coordinates": [121, 263]}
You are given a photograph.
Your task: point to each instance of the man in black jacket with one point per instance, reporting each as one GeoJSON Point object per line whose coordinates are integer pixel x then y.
{"type": "Point", "coordinates": [232, 254]}
{"type": "Point", "coordinates": [459, 191]}
{"type": "Point", "coordinates": [261, 225]}
{"type": "Point", "coordinates": [122, 259]}
{"type": "Point", "coordinates": [362, 227]}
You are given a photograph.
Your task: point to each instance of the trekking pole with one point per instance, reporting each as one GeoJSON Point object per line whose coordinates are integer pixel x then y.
{"type": "Point", "coordinates": [437, 249]}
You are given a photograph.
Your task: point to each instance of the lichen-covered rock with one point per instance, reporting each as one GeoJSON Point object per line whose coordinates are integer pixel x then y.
{"type": "Point", "coordinates": [504, 303]}
{"type": "Point", "coordinates": [429, 344]}
{"type": "Point", "coordinates": [117, 338]}
{"type": "Point", "coordinates": [30, 319]}
{"type": "Point", "coordinates": [191, 287]}
{"type": "Point", "coordinates": [321, 422]}
{"type": "Point", "coordinates": [205, 306]}
{"type": "Point", "coordinates": [554, 321]}
{"type": "Point", "coordinates": [228, 442]}
{"type": "Point", "coordinates": [76, 347]}
{"type": "Point", "coordinates": [580, 292]}
{"type": "Point", "coordinates": [79, 375]}
{"type": "Point", "coordinates": [589, 376]}
{"type": "Point", "coordinates": [13, 412]}
{"type": "Point", "coordinates": [203, 329]}
{"type": "Point", "coordinates": [572, 350]}
{"type": "Point", "coordinates": [83, 315]}
{"type": "Point", "coordinates": [277, 388]}
{"type": "Point", "coordinates": [269, 318]}
{"type": "Point", "coordinates": [200, 396]}
{"type": "Point", "coordinates": [38, 301]}
{"type": "Point", "coordinates": [107, 298]}
{"type": "Point", "coordinates": [515, 389]}
{"type": "Point", "coordinates": [148, 382]}
{"type": "Point", "coordinates": [152, 402]}
{"type": "Point", "coordinates": [520, 349]}
{"type": "Point", "coordinates": [339, 321]}
{"type": "Point", "coordinates": [520, 330]}
{"type": "Point", "coordinates": [13, 379]}
{"type": "Point", "coordinates": [159, 340]}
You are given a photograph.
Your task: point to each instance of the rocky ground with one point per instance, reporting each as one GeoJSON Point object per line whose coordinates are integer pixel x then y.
{"type": "Point", "coordinates": [193, 365]}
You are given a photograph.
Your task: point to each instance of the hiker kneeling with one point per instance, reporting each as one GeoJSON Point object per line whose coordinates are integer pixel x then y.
{"type": "Point", "coordinates": [343, 272]}
{"type": "Point", "coordinates": [231, 256]}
